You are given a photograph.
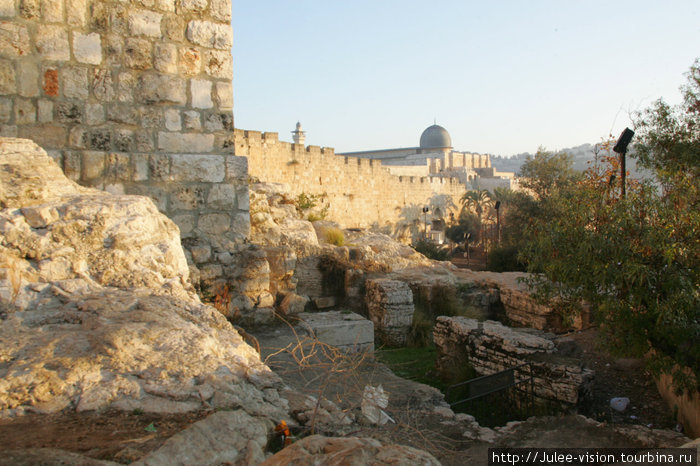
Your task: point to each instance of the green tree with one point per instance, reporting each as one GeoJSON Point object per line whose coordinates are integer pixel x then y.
{"type": "Point", "coordinates": [636, 259]}
{"type": "Point", "coordinates": [477, 202]}
{"type": "Point", "coordinates": [546, 172]}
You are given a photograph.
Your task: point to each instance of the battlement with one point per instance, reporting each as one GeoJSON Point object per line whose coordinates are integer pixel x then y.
{"type": "Point", "coordinates": [361, 191]}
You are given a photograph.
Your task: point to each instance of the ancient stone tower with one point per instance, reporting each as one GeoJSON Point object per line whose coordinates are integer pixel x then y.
{"type": "Point", "coordinates": [133, 96]}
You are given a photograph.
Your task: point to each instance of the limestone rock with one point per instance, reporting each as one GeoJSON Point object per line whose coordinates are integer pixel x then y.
{"type": "Point", "coordinates": [96, 310]}
{"type": "Point", "coordinates": [321, 450]}
{"type": "Point", "coordinates": [225, 437]}
{"type": "Point", "coordinates": [29, 177]}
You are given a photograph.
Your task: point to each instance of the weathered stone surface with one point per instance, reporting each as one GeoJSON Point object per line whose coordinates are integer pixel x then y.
{"type": "Point", "coordinates": [218, 64]}
{"type": "Point", "coordinates": [162, 88]}
{"type": "Point", "coordinates": [42, 179]}
{"type": "Point", "coordinates": [52, 43]}
{"type": "Point", "coordinates": [344, 330]}
{"type": "Point", "coordinates": [75, 82]}
{"type": "Point", "coordinates": [222, 197]}
{"type": "Point", "coordinates": [14, 40]}
{"type": "Point", "coordinates": [200, 90]}
{"type": "Point", "coordinates": [225, 437]}
{"type": "Point", "coordinates": [145, 23]}
{"type": "Point", "coordinates": [27, 79]}
{"type": "Point", "coordinates": [7, 77]}
{"type": "Point", "coordinates": [87, 48]}
{"type": "Point", "coordinates": [520, 308]}
{"type": "Point", "coordinates": [165, 58]}
{"type": "Point", "coordinates": [195, 167]}
{"type": "Point", "coordinates": [138, 53]}
{"type": "Point", "coordinates": [224, 96]}
{"type": "Point", "coordinates": [187, 143]}
{"type": "Point", "coordinates": [390, 307]}
{"type": "Point", "coordinates": [491, 347]}
{"type": "Point", "coordinates": [209, 34]}
{"type": "Point", "coordinates": [89, 282]}
{"type": "Point", "coordinates": [320, 450]}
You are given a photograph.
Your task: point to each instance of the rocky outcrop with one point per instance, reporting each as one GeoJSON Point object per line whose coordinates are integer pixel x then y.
{"type": "Point", "coordinates": [321, 450]}
{"type": "Point", "coordinates": [96, 308]}
{"type": "Point", "coordinates": [490, 347]}
{"type": "Point", "coordinates": [519, 307]}
{"type": "Point", "coordinates": [51, 230]}
{"type": "Point", "coordinates": [225, 437]}
{"type": "Point", "coordinates": [390, 308]}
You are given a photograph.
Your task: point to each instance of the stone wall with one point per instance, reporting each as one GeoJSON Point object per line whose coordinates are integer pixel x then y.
{"type": "Point", "coordinates": [490, 347]}
{"type": "Point", "coordinates": [134, 96]}
{"type": "Point", "coordinates": [360, 192]}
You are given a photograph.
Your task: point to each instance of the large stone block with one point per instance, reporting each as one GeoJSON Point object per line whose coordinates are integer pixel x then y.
{"type": "Point", "coordinates": [221, 10]}
{"type": "Point", "coordinates": [7, 9]}
{"type": "Point", "coordinates": [75, 82]}
{"type": "Point", "coordinates": [27, 78]}
{"type": "Point", "coordinates": [341, 329]}
{"type": "Point", "coordinates": [186, 142]}
{"type": "Point", "coordinates": [75, 12]}
{"type": "Point", "coordinates": [87, 48]}
{"type": "Point", "coordinates": [52, 43]}
{"type": "Point", "coordinates": [8, 77]}
{"type": "Point", "coordinates": [52, 11]}
{"type": "Point", "coordinates": [200, 168]}
{"type": "Point", "coordinates": [224, 95]}
{"type": "Point", "coordinates": [218, 64]}
{"type": "Point", "coordinates": [209, 34]}
{"type": "Point", "coordinates": [145, 23]}
{"type": "Point", "coordinates": [165, 58]}
{"type": "Point", "coordinates": [200, 89]}
{"type": "Point", "coordinates": [222, 197]}
{"type": "Point", "coordinates": [138, 53]}
{"type": "Point", "coordinates": [14, 40]}
{"type": "Point", "coordinates": [214, 224]}
{"type": "Point", "coordinates": [155, 89]}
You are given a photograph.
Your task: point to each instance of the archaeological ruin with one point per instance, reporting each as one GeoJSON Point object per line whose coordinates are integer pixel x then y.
{"type": "Point", "coordinates": [138, 226]}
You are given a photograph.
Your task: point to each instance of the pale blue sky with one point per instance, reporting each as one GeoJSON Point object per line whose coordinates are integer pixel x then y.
{"type": "Point", "coordinates": [502, 77]}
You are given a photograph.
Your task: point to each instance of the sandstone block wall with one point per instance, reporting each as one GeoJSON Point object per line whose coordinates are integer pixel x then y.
{"type": "Point", "coordinates": [133, 96]}
{"type": "Point", "coordinates": [361, 192]}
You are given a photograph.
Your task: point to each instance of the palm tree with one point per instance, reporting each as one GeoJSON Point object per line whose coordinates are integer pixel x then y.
{"type": "Point", "coordinates": [478, 201]}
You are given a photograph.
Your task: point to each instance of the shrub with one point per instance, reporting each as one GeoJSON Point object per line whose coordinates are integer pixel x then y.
{"type": "Point", "coordinates": [505, 259]}
{"type": "Point", "coordinates": [431, 250]}
{"type": "Point", "coordinates": [334, 236]}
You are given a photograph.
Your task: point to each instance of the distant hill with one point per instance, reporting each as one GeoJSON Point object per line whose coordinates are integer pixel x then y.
{"type": "Point", "coordinates": [582, 155]}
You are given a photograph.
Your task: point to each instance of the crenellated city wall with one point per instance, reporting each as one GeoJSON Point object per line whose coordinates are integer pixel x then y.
{"type": "Point", "coordinates": [361, 193]}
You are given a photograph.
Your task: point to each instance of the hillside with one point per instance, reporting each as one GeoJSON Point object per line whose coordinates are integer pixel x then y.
{"type": "Point", "coordinates": [583, 155]}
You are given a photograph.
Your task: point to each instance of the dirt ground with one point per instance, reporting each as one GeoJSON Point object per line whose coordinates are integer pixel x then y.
{"type": "Point", "coordinates": [621, 377]}
{"type": "Point", "coordinates": [127, 436]}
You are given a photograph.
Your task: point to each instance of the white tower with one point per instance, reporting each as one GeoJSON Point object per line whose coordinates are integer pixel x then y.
{"type": "Point", "coordinates": [299, 135]}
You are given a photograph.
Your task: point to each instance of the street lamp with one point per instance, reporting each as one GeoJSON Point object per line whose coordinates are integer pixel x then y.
{"type": "Point", "coordinates": [425, 222]}
{"type": "Point", "coordinates": [498, 220]}
{"type": "Point", "coordinates": [621, 148]}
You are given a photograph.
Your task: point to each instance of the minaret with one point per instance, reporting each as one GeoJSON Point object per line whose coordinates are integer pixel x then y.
{"type": "Point", "coordinates": [299, 135]}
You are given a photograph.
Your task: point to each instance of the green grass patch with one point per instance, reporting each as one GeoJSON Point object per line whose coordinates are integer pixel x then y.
{"type": "Point", "coordinates": [417, 364]}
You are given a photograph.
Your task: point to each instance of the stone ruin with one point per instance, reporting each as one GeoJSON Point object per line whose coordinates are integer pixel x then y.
{"type": "Point", "coordinates": [490, 347]}
{"type": "Point", "coordinates": [390, 308]}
